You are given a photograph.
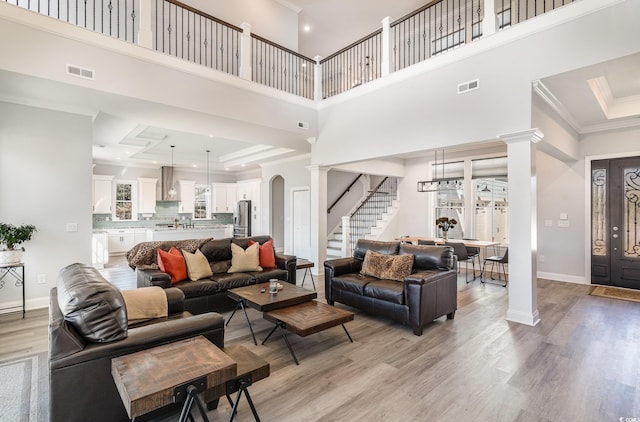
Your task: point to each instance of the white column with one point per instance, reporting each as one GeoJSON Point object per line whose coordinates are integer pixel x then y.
{"type": "Point", "coordinates": [318, 216]}
{"type": "Point", "coordinates": [386, 62]}
{"type": "Point", "coordinates": [346, 236]}
{"type": "Point", "coordinates": [523, 283]}
{"type": "Point", "coordinates": [245, 51]}
{"type": "Point", "coordinates": [490, 21]}
{"type": "Point", "coordinates": [469, 200]}
{"type": "Point", "coordinates": [317, 79]}
{"type": "Point", "coordinates": [145, 36]}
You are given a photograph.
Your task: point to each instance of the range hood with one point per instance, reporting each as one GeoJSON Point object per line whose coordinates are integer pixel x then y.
{"type": "Point", "coordinates": [167, 184]}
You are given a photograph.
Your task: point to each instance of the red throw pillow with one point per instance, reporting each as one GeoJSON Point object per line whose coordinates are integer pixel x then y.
{"type": "Point", "coordinates": [172, 263]}
{"type": "Point", "coordinates": [267, 257]}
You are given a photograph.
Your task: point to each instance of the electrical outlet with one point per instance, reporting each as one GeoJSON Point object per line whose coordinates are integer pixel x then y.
{"type": "Point", "coordinates": [541, 258]}
{"type": "Point", "coordinates": [42, 278]}
{"type": "Point", "coordinates": [72, 227]}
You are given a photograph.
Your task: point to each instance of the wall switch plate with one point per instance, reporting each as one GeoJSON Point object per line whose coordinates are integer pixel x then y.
{"type": "Point", "coordinates": [42, 278]}
{"type": "Point", "coordinates": [563, 223]}
{"type": "Point", "coordinates": [72, 227]}
{"type": "Point", "coordinates": [541, 258]}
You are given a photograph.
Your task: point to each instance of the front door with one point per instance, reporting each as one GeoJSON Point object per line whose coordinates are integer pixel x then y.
{"type": "Point", "coordinates": [615, 222]}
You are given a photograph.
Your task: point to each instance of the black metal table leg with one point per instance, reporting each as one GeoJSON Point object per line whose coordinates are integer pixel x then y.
{"type": "Point", "coordinates": [241, 304]}
{"type": "Point", "coordinates": [281, 326]}
{"type": "Point", "coordinates": [192, 396]}
{"type": "Point", "coordinates": [345, 330]}
{"type": "Point", "coordinates": [269, 335]}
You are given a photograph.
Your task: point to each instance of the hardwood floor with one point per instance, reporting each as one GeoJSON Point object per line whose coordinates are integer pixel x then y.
{"type": "Point", "coordinates": [580, 363]}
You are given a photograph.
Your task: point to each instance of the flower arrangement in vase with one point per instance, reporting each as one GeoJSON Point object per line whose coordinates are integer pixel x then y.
{"type": "Point", "coordinates": [444, 224]}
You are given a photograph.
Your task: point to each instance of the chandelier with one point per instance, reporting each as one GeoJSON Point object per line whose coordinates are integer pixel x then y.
{"type": "Point", "coordinates": [440, 184]}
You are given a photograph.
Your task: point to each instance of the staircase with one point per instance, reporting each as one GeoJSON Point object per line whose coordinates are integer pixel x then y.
{"type": "Point", "coordinates": [368, 221]}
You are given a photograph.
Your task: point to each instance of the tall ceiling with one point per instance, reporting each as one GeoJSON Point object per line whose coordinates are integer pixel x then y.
{"type": "Point", "coordinates": [334, 24]}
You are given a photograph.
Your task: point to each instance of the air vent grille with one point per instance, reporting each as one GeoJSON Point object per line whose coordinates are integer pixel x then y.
{"type": "Point", "coordinates": [80, 72]}
{"type": "Point", "coordinates": [468, 86]}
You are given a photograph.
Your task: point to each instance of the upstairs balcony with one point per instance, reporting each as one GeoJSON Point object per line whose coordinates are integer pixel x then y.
{"type": "Point", "coordinates": [179, 30]}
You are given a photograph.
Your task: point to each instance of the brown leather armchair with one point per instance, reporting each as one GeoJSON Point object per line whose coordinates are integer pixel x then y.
{"type": "Point", "coordinates": [429, 292]}
{"type": "Point", "coordinates": [81, 385]}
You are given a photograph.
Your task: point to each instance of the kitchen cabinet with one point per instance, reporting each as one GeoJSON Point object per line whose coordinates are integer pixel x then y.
{"type": "Point", "coordinates": [187, 196]}
{"type": "Point", "coordinates": [224, 197]}
{"type": "Point", "coordinates": [99, 249]}
{"type": "Point", "coordinates": [102, 194]}
{"type": "Point", "coordinates": [121, 240]}
{"type": "Point", "coordinates": [147, 195]}
{"type": "Point", "coordinates": [252, 190]}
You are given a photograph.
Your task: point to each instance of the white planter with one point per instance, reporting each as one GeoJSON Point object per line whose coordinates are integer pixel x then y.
{"type": "Point", "coordinates": [11, 257]}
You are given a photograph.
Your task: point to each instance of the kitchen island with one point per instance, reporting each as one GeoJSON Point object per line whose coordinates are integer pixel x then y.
{"type": "Point", "coordinates": [216, 232]}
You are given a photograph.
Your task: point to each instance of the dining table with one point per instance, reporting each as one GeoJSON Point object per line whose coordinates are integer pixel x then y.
{"type": "Point", "coordinates": [472, 243]}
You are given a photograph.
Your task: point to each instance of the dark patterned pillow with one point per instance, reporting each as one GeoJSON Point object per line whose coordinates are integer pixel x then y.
{"type": "Point", "coordinates": [143, 256]}
{"type": "Point", "coordinates": [389, 267]}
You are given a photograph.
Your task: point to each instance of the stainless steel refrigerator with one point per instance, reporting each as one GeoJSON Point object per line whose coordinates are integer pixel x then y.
{"type": "Point", "coordinates": [242, 219]}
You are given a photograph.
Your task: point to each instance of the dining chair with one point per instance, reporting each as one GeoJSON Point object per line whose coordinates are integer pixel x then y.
{"type": "Point", "coordinates": [460, 251]}
{"type": "Point", "coordinates": [501, 261]}
{"type": "Point", "coordinates": [473, 252]}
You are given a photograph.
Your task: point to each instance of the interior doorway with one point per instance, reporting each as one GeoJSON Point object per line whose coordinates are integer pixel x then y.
{"type": "Point", "coordinates": [277, 212]}
{"type": "Point", "coordinates": [615, 222]}
{"type": "Point", "coordinates": [301, 222]}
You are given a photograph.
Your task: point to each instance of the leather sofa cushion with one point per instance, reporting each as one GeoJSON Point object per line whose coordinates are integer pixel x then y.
{"type": "Point", "coordinates": [429, 257]}
{"type": "Point", "coordinates": [387, 290]}
{"type": "Point", "coordinates": [93, 306]}
{"type": "Point", "coordinates": [231, 281]}
{"type": "Point", "coordinates": [265, 275]}
{"type": "Point", "coordinates": [243, 242]}
{"type": "Point", "coordinates": [353, 283]}
{"type": "Point", "coordinates": [198, 288]}
{"type": "Point", "coordinates": [217, 250]}
{"type": "Point", "coordinates": [364, 245]}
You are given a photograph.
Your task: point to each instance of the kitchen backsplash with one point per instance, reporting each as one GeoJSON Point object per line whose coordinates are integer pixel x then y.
{"type": "Point", "coordinates": [165, 214]}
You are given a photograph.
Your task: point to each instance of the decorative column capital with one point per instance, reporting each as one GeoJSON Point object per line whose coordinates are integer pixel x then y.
{"type": "Point", "coordinates": [530, 135]}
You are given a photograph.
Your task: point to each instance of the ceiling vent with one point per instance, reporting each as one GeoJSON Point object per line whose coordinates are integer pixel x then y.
{"type": "Point", "coordinates": [303, 125]}
{"type": "Point", "coordinates": [468, 86]}
{"type": "Point", "coordinates": [80, 72]}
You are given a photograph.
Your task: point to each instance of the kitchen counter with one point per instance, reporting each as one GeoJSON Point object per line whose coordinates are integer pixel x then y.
{"type": "Point", "coordinates": [217, 232]}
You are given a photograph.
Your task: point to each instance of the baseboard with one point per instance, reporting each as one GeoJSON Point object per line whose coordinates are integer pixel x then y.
{"type": "Point", "coordinates": [31, 304]}
{"type": "Point", "coordinates": [563, 277]}
{"type": "Point", "coordinates": [523, 317]}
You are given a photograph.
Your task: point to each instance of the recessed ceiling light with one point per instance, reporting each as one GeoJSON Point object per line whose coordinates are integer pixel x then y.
{"type": "Point", "coordinates": [306, 28]}
{"type": "Point", "coordinates": [211, 135]}
{"type": "Point", "coordinates": [194, 166]}
{"type": "Point", "coordinates": [226, 169]}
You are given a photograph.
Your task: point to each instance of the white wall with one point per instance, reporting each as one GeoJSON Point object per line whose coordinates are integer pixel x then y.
{"type": "Point", "coordinates": [268, 18]}
{"type": "Point", "coordinates": [295, 174]}
{"type": "Point", "coordinates": [45, 180]}
{"type": "Point", "coordinates": [419, 109]}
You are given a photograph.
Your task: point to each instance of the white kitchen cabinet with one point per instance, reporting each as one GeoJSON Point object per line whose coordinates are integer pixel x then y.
{"type": "Point", "coordinates": [224, 197]}
{"type": "Point", "coordinates": [252, 190]}
{"type": "Point", "coordinates": [147, 195]}
{"type": "Point", "coordinates": [121, 240]}
{"type": "Point", "coordinates": [102, 194]}
{"type": "Point", "coordinates": [139, 236]}
{"type": "Point", "coordinates": [187, 196]}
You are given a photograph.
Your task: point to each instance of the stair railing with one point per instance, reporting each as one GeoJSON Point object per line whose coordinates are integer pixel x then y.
{"type": "Point", "coordinates": [369, 212]}
{"type": "Point", "coordinates": [343, 193]}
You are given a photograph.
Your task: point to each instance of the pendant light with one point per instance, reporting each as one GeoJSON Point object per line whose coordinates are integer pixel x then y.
{"type": "Point", "coordinates": [440, 184]}
{"type": "Point", "coordinates": [172, 194]}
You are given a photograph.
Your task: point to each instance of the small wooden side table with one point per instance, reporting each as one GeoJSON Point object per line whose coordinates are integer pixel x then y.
{"type": "Point", "coordinates": [302, 263]}
{"type": "Point", "coordinates": [12, 269]}
{"type": "Point", "coordinates": [251, 368]}
{"type": "Point", "coordinates": [175, 372]}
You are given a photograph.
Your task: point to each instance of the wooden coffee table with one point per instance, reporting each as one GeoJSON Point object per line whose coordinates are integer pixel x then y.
{"type": "Point", "coordinates": [174, 372]}
{"type": "Point", "coordinates": [257, 296]}
{"type": "Point", "coordinates": [306, 319]}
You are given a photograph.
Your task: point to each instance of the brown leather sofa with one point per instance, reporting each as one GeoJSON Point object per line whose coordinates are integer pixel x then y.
{"type": "Point", "coordinates": [428, 293]}
{"type": "Point", "coordinates": [88, 327]}
{"type": "Point", "coordinates": [210, 294]}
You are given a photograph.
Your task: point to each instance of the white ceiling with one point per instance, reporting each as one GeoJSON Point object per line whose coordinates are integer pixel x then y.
{"type": "Point", "coordinates": [611, 100]}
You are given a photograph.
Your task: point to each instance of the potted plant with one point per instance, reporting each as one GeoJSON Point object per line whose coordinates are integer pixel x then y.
{"type": "Point", "coordinates": [445, 223]}
{"type": "Point", "coordinates": [11, 237]}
